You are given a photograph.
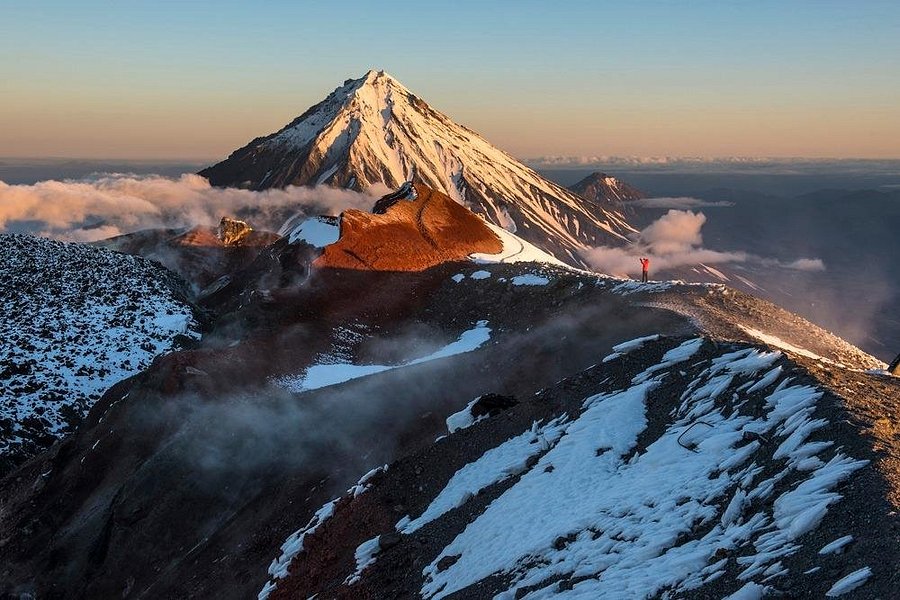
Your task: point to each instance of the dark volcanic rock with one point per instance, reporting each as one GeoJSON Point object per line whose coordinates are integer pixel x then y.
{"type": "Point", "coordinates": [76, 319]}
{"type": "Point", "coordinates": [491, 405]}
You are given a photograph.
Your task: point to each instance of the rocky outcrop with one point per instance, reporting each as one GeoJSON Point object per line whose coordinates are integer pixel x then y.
{"type": "Point", "coordinates": [411, 230]}
{"type": "Point", "coordinates": [76, 319]}
{"type": "Point", "coordinates": [201, 254]}
{"type": "Point", "coordinates": [232, 231]}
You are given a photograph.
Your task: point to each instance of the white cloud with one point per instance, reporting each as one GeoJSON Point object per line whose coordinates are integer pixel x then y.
{"type": "Point", "coordinates": [112, 204]}
{"type": "Point", "coordinates": [677, 231]}
{"type": "Point", "coordinates": [675, 240]}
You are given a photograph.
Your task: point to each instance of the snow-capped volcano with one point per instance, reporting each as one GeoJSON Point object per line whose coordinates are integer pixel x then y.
{"type": "Point", "coordinates": [373, 130]}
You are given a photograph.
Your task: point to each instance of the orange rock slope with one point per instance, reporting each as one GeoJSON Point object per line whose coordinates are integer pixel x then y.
{"type": "Point", "coordinates": [411, 230]}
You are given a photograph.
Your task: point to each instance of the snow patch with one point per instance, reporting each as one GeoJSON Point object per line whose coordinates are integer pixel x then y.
{"type": "Point", "coordinates": [849, 583]}
{"type": "Point", "coordinates": [779, 343]}
{"type": "Point", "coordinates": [530, 279]}
{"type": "Point", "coordinates": [293, 545]}
{"type": "Point", "coordinates": [323, 375]}
{"type": "Point", "coordinates": [750, 591]}
{"type": "Point", "coordinates": [365, 557]}
{"type": "Point", "coordinates": [516, 250]}
{"type": "Point", "coordinates": [506, 460]}
{"type": "Point", "coordinates": [314, 231]}
{"type": "Point", "coordinates": [464, 418]}
{"type": "Point", "coordinates": [626, 347]}
{"type": "Point", "coordinates": [837, 545]}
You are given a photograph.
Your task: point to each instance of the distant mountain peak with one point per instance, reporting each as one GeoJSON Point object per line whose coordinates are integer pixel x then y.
{"type": "Point", "coordinates": [602, 188]}
{"type": "Point", "coordinates": [374, 131]}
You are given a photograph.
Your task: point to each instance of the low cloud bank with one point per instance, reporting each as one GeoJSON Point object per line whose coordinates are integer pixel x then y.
{"type": "Point", "coordinates": [112, 204]}
{"type": "Point", "coordinates": [680, 202]}
{"type": "Point", "coordinates": [805, 264]}
{"type": "Point", "coordinates": [675, 240]}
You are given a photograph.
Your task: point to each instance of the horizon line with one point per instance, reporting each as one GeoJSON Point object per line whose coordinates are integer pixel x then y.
{"type": "Point", "coordinates": [573, 160]}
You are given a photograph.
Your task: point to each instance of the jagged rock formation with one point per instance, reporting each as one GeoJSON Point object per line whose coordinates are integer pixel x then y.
{"type": "Point", "coordinates": [374, 131]}
{"type": "Point", "coordinates": [894, 367]}
{"type": "Point", "coordinates": [76, 319]}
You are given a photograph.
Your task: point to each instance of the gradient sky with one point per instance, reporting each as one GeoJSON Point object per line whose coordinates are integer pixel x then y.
{"type": "Point", "coordinates": [182, 79]}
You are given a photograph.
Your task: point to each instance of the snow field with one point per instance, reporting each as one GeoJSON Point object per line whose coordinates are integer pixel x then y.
{"type": "Point", "coordinates": [516, 250]}
{"type": "Point", "coordinates": [595, 506]}
{"type": "Point", "coordinates": [77, 320]}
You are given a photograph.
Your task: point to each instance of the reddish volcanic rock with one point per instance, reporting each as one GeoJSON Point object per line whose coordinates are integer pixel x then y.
{"type": "Point", "coordinates": [199, 255]}
{"type": "Point", "coordinates": [418, 230]}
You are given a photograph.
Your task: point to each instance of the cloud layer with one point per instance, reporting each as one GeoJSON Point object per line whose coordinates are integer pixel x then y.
{"type": "Point", "coordinates": [675, 240]}
{"type": "Point", "coordinates": [112, 204]}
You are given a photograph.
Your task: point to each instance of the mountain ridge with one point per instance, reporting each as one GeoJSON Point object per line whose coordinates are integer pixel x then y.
{"type": "Point", "coordinates": [313, 375]}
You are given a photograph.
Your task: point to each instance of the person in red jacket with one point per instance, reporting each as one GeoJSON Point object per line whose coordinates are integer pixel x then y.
{"type": "Point", "coordinates": [645, 269]}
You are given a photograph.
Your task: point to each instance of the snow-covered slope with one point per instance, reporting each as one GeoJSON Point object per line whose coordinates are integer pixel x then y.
{"type": "Point", "coordinates": [76, 319]}
{"type": "Point", "coordinates": [373, 131]}
{"type": "Point", "coordinates": [684, 439]}
{"type": "Point", "coordinates": [675, 467]}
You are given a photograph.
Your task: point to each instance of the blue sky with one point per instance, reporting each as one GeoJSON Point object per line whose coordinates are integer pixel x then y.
{"type": "Point", "coordinates": [197, 79]}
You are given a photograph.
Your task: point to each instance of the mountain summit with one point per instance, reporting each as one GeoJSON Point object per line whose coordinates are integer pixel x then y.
{"type": "Point", "coordinates": [603, 188]}
{"type": "Point", "coordinates": [373, 130]}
